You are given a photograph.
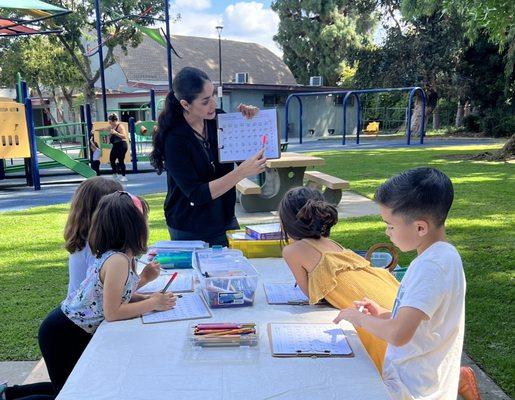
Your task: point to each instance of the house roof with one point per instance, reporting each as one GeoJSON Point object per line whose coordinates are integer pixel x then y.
{"type": "Point", "coordinates": [147, 62]}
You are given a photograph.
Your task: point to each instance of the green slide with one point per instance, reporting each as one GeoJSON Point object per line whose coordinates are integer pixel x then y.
{"type": "Point", "coordinates": [64, 159]}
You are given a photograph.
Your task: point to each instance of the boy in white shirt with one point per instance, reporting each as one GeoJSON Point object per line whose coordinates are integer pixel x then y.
{"type": "Point", "coordinates": [425, 329]}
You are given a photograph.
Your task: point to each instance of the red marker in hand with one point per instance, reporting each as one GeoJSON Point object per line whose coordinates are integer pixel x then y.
{"type": "Point", "coordinates": [263, 140]}
{"type": "Point", "coordinates": [174, 275]}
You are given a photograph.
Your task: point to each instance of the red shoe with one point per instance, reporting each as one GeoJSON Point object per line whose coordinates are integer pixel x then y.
{"type": "Point", "coordinates": [467, 387]}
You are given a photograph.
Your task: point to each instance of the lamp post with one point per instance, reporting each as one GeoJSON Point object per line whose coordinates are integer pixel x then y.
{"type": "Point", "coordinates": [168, 44]}
{"type": "Point", "coordinates": [101, 58]}
{"type": "Point", "coordinates": [220, 88]}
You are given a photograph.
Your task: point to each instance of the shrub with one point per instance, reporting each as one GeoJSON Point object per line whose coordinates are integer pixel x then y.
{"type": "Point", "coordinates": [498, 123]}
{"type": "Point", "coordinates": [472, 123]}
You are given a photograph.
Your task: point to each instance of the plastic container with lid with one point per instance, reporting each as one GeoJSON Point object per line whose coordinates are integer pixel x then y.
{"type": "Point", "coordinates": [227, 278]}
{"type": "Point", "coordinates": [175, 254]}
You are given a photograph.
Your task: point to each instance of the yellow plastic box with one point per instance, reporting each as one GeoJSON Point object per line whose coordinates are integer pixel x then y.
{"type": "Point", "coordinates": [253, 248]}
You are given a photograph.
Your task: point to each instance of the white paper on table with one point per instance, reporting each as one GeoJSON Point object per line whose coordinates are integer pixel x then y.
{"type": "Point", "coordinates": [284, 293]}
{"type": "Point", "coordinates": [308, 339]}
{"type": "Point", "coordinates": [240, 138]}
{"type": "Point", "coordinates": [189, 306]}
{"type": "Point", "coordinates": [182, 283]}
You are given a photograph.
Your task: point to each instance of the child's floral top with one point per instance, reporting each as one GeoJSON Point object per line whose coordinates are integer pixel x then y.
{"type": "Point", "coordinates": [85, 307]}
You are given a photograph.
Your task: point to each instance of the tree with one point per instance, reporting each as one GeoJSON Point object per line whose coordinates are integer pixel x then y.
{"type": "Point", "coordinates": [422, 53]}
{"type": "Point", "coordinates": [45, 67]}
{"type": "Point", "coordinates": [491, 17]}
{"type": "Point", "coordinates": [79, 27]}
{"type": "Point", "coordinates": [322, 37]}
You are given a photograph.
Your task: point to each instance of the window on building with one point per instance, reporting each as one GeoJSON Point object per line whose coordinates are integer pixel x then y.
{"type": "Point", "coordinates": [274, 100]}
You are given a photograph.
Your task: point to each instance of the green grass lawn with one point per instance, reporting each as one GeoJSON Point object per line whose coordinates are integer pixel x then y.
{"type": "Point", "coordinates": [33, 271]}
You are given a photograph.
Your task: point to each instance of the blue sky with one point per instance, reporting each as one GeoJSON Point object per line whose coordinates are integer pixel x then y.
{"type": "Point", "coordinates": [249, 21]}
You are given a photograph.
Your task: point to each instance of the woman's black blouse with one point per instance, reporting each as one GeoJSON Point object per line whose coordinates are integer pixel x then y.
{"type": "Point", "coordinates": [190, 166]}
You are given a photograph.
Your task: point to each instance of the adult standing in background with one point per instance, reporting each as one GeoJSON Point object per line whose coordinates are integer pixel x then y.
{"type": "Point", "coordinates": [118, 139]}
{"type": "Point", "coordinates": [201, 194]}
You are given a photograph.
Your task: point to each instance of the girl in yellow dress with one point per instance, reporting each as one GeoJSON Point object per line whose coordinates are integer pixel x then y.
{"type": "Point", "coordinates": [325, 270]}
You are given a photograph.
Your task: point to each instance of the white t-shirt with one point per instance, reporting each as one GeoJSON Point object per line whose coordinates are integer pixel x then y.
{"type": "Point", "coordinates": [428, 366]}
{"type": "Point", "coordinates": [96, 155]}
{"type": "Point", "coordinates": [78, 265]}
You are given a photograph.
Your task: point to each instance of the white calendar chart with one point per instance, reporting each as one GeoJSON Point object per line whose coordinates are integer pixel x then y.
{"type": "Point", "coordinates": [306, 340]}
{"type": "Point", "coordinates": [189, 306]}
{"type": "Point", "coordinates": [240, 138]}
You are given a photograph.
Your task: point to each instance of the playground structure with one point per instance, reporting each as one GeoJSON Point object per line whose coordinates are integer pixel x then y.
{"type": "Point", "coordinates": [18, 140]}
{"type": "Point", "coordinates": [355, 94]}
{"type": "Point", "coordinates": [21, 149]}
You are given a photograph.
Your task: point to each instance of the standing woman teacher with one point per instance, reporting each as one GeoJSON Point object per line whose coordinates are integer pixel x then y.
{"type": "Point", "coordinates": [201, 194]}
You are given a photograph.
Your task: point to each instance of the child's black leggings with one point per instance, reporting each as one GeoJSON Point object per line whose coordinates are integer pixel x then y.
{"type": "Point", "coordinates": [118, 152]}
{"type": "Point", "coordinates": [61, 343]}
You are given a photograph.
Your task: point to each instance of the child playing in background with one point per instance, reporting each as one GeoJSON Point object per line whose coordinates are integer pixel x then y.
{"type": "Point", "coordinates": [424, 329]}
{"type": "Point", "coordinates": [118, 234]}
{"type": "Point", "coordinates": [325, 270]}
{"type": "Point", "coordinates": [95, 156]}
{"type": "Point", "coordinates": [84, 204]}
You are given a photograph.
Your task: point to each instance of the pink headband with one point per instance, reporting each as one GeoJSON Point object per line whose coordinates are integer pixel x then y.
{"type": "Point", "coordinates": [135, 200]}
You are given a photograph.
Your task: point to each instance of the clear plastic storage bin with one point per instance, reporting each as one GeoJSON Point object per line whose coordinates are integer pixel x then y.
{"type": "Point", "coordinates": [227, 279]}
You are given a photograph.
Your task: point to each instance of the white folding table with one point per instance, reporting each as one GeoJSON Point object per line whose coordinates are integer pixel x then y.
{"type": "Point", "coordinates": [130, 360]}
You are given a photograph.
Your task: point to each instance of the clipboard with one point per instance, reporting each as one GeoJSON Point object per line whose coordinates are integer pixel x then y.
{"type": "Point", "coordinates": [298, 300]}
{"type": "Point", "coordinates": [240, 138]}
{"type": "Point", "coordinates": [183, 284]}
{"type": "Point", "coordinates": [193, 307]}
{"type": "Point", "coordinates": [303, 340]}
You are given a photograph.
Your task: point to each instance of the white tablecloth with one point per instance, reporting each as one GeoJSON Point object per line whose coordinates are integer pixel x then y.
{"type": "Point", "coordinates": [129, 360]}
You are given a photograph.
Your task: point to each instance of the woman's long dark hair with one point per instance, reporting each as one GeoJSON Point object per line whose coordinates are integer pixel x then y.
{"type": "Point", "coordinates": [187, 85]}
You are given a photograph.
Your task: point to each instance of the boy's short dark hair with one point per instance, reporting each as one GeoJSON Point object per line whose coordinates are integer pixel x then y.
{"type": "Point", "coordinates": [119, 225]}
{"type": "Point", "coordinates": [417, 193]}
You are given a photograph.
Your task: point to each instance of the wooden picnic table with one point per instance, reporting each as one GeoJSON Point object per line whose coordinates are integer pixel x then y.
{"type": "Point", "coordinates": [130, 360]}
{"type": "Point", "coordinates": [281, 175]}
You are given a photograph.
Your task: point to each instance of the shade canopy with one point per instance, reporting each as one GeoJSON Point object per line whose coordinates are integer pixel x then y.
{"type": "Point", "coordinates": [36, 8]}
{"type": "Point", "coordinates": [30, 5]}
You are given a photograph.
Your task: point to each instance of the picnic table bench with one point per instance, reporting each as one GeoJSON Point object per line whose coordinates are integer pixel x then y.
{"type": "Point", "coordinates": [281, 175]}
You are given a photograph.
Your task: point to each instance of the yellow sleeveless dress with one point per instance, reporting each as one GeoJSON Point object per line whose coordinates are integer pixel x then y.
{"type": "Point", "coordinates": [342, 277]}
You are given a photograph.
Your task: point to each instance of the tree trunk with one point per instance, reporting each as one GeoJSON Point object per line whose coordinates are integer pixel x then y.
{"type": "Point", "coordinates": [416, 126]}
{"type": "Point", "coordinates": [508, 150]}
{"type": "Point", "coordinates": [416, 117]}
{"type": "Point", "coordinates": [436, 118]}
{"type": "Point", "coordinates": [89, 97]}
{"type": "Point", "coordinates": [467, 109]}
{"type": "Point", "coordinates": [459, 115]}
{"type": "Point", "coordinates": [506, 153]}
